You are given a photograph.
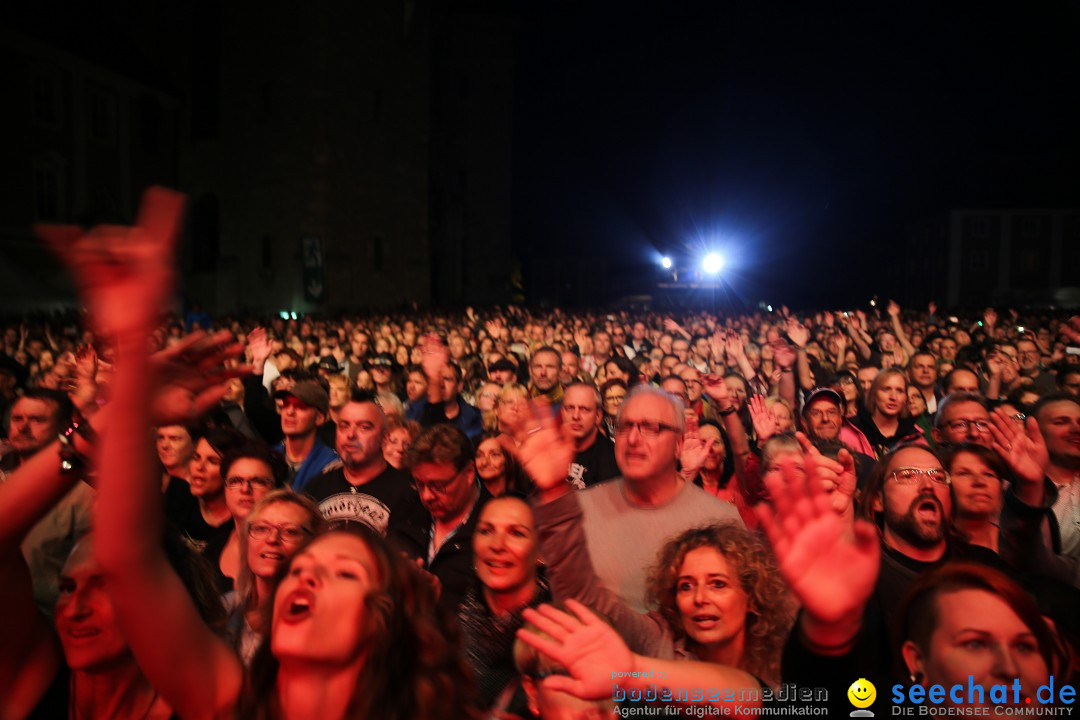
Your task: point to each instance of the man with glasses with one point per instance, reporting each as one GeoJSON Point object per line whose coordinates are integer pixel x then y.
{"type": "Point", "coordinates": [1030, 359]}
{"type": "Point", "coordinates": [437, 524]}
{"type": "Point", "coordinates": [628, 519]}
{"type": "Point", "coordinates": [365, 489]}
{"type": "Point", "coordinates": [962, 417]}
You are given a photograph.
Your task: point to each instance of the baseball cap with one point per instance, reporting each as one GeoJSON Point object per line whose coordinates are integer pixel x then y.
{"type": "Point", "coordinates": [823, 393]}
{"type": "Point", "coordinates": [310, 393]}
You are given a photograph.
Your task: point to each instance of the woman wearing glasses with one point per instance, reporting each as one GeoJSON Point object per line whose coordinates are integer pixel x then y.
{"type": "Point", "coordinates": [278, 525]}
{"type": "Point", "coordinates": [249, 472]}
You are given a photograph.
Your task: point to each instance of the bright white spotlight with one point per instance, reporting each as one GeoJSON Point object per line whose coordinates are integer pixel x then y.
{"type": "Point", "coordinates": [713, 263]}
{"type": "Point", "coordinates": [665, 262]}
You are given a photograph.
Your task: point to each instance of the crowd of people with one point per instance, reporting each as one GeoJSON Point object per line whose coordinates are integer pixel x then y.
{"type": "Point", "coordinates": [512, 513]}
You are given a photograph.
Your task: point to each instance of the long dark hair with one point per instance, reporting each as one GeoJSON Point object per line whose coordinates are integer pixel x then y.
{"type": "Point", "coordinates": [414, 668]}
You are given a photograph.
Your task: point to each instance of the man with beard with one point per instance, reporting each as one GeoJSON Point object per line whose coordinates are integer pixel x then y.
{"type": "Point", "coordinates": [908, 497]}
{"type": "Point", "coordinates": [365, 489]}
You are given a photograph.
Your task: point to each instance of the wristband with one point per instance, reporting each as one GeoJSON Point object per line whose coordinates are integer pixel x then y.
{"type": "Point", "coordinates": [725, 413]}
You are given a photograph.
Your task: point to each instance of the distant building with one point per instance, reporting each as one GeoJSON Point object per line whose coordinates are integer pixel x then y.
{"type": "Point", "coordinates": [978, 257]}
{"type": "Point", "coordinates": [339, 155]}
{"type": "Point", "coordinates": [80, 143]}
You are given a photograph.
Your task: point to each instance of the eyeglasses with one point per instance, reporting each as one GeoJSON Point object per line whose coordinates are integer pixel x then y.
{"type": "Point", "coordinates": [964, 425]}
{"type": "Point", "coordinates": [255, 483]}
{"type": "Point", "coordinates": [647, 428]}
{"type": "Point", "coordinates": [441, 488]}
{"type": "Point", "coordinates": [912, 475]}
{"type": "Point", "coordinates": [289, 534]}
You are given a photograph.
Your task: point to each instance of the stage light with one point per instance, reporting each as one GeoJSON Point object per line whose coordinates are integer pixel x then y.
{"type": "Point", "coordinates": [712, 263]}
{"type": "Point", "coordinates": [665, 262]}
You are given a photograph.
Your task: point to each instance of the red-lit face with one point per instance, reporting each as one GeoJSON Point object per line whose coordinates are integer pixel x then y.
{"type": "Point", "coordinates": [319, 608]}
{"type": "Point", "coordinates": [505, 546]}
{"type": "Point", "coordinates": [711, 601]}
{"type": "Point", "coordinates": [249, 480]}
{"type": "Point", "coordinates": [281, 528]}
{"type": "Point", "coordinates": [979, 638]}
{"type": "Point", "coordinates": [205, 471]}
{"type": "Point", "coordinates": [976, 488]}
{"type": "Point", "coordinates": [298, 418]}
{"type": "Point", "coordinates": [174, 446]}
{"type": "Point", "coordinates": [85, 618]}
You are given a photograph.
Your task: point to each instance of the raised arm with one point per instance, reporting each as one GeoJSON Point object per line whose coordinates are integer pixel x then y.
{"type": "Point", "coordinates": [830, 565]}
{"type": "Point", "coordinates": [898, 329]}
{"type": "Point", "coordinates": [125, 276]}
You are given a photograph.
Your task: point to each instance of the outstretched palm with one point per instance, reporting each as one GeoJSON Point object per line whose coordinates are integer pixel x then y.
{"type": "Point", "coordinates": [587, 646]}
{"type": "Point", "coordinates": [1022, 448]}
{"type": "Point", "coordinates": [829, 566]}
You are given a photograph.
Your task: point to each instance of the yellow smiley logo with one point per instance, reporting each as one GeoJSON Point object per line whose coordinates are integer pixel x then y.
{"type": "Point", "coordinates": [862, 693]}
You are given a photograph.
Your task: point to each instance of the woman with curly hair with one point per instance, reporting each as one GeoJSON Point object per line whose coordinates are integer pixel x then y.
{"type": "Point", "coordinates": [717, 590]}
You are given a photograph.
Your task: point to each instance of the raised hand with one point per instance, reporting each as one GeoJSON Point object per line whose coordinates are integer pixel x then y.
{"type": "Point", "coordinates": [734, 345]}
{"type": "Point", "coordinates": [587, 646]}
{"type": "Point", "coordinates": [694, 449]}
{"type": "Point", "coordinates": [830, 320]}
{"type": "Point", "coordinates": [830, 566]}
{"type": "Point", "coordinates": [1071, 329]}
{"type": "Point", "coordinates": [783, 355]}
{"type": "Point", "coordinates": [544, 451]}
{"type": "Point", "coordinates": [932, 307]}
{"type": "Point", "coordinates": [893, 309]}
{"type": "Point", "coordinates": [717, 391]}
{"type": "Point", "coordinates": [837, 477]}
{"type": "Point", "coordinates": [763, 418]}
{"type": "Point", "coordinates": [189, 377]}
{"type": "Point", "coordinates": [990, 318]}
{"type": "Point", "coordinates": [1022, 448]}
{"type": "Point", "coordinates": [798, 333]}
{"type": "Point", "coordinates": [716, 345]}
{"type": "Point", "coordinates": [259, 345]}
{"type": "Point", "coordinates": [124, 274]}
{"type": "Point", "coordinates": [434, 356]}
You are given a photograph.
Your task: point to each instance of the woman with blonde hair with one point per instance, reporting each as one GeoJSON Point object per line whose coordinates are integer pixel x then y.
{"type": "Point", "coordinates": [279, 525]}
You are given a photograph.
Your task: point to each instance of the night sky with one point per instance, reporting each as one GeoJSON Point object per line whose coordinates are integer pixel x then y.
{"type": "Point", "coordinates": [805, 137]}
{"type": "Point", "coordinates": [800, 139]}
